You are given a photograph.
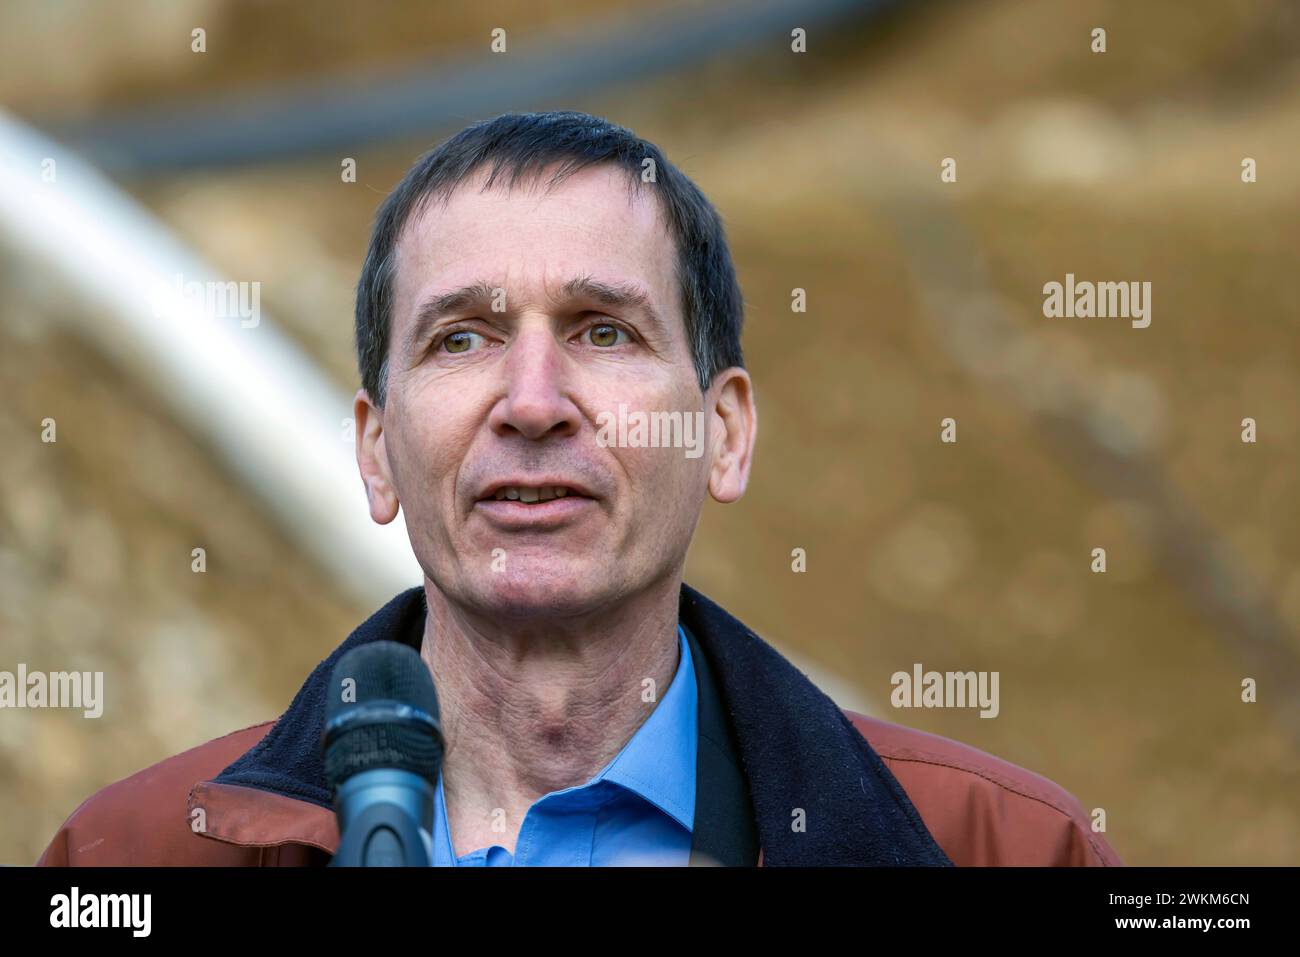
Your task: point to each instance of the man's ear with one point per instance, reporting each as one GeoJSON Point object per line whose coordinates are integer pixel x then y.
{"type": "Point", "coordinates": [372, 459]}
{"type": "Point", "coordinates": [735, 429]}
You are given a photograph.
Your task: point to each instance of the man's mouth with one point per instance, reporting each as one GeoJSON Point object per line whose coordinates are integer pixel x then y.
{"type": "Point", "coordinates": [529, 494]}
{"type": "Point", "coordinates": [533, 490]}
{"type": "Point", "coordinates": [522, 506]}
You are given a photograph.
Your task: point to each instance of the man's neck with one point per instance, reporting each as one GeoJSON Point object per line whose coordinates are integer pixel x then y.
{"type": "Point", "coordinates": [533, 707]}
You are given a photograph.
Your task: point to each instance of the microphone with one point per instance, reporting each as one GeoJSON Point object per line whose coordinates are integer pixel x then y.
{"type": "Point", "coordinates": [383, 753]}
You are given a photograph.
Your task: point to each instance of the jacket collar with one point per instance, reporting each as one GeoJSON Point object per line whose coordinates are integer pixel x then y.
{"type": "Point", "coordinates": [817, 793]}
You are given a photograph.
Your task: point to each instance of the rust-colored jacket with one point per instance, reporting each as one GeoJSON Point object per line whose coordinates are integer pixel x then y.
{"type": "Point", "coordinates": [866, 791]}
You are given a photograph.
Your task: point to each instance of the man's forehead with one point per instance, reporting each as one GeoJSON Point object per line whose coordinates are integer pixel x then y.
{"type": "Point", "coordinates": [593, 221]}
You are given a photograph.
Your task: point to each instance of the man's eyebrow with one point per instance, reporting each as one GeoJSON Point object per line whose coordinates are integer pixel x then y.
{"type": "Point", "coordinates": [622, 295]}
{"type": "Point", "coordinates": [434, 308]}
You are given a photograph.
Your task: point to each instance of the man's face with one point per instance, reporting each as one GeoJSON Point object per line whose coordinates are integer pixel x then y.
{"type": "Point", "coordinates": [519, 317]}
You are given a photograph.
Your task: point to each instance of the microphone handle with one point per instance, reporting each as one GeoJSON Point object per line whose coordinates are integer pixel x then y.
{"type": "Point", "coordinates": [385, 819]}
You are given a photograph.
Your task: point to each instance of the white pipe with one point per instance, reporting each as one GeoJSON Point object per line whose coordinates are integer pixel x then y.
{"type": "Point", "coordinates": [274, 419]}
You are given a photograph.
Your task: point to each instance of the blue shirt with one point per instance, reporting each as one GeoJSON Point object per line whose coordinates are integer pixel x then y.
{"type": "Point", "coordinates": [639, 809]}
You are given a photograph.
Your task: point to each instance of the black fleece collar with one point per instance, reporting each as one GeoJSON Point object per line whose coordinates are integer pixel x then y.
{"type": "Point", "coordinates": [802, 762]}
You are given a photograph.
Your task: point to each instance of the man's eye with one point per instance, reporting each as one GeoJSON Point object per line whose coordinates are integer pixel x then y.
{"type": "Point", "coordinates": [460, 341]}
{"type": "Point", "coordinates": [606, 335]}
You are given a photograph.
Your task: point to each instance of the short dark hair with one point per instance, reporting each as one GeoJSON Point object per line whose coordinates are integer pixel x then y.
{"type": "Point", "coordinates": [524, 144]}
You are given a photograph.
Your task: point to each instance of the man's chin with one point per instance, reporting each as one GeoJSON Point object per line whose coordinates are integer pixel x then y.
{"type": "Point", "coordinates": [528, 593]}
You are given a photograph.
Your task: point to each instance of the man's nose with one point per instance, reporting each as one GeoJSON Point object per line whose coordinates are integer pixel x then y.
{"type": "Point", "coordinates": [536, 402]}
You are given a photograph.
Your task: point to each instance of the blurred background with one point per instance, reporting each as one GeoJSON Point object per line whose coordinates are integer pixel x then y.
{"type": "Point", "coordinates": [924, 302]}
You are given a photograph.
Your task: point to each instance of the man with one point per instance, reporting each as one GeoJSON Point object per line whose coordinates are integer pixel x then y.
{"type": "Point", "coordinates": [529, 282]}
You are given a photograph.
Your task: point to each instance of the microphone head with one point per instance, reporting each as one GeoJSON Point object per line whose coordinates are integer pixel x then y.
{"type": "Point", "coordinates": [381, 712]}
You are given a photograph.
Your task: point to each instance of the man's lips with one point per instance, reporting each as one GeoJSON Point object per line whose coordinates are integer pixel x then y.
{"type": "Point", "coordinates": [533, 489]}
{"type": "Point", "coordinates": [517, 516]}
{"type": "Point", "coordinates": [534, 504]}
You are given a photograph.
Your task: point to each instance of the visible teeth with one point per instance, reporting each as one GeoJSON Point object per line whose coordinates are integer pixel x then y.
{"type": "Point", "coordinates": [520, 493]}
